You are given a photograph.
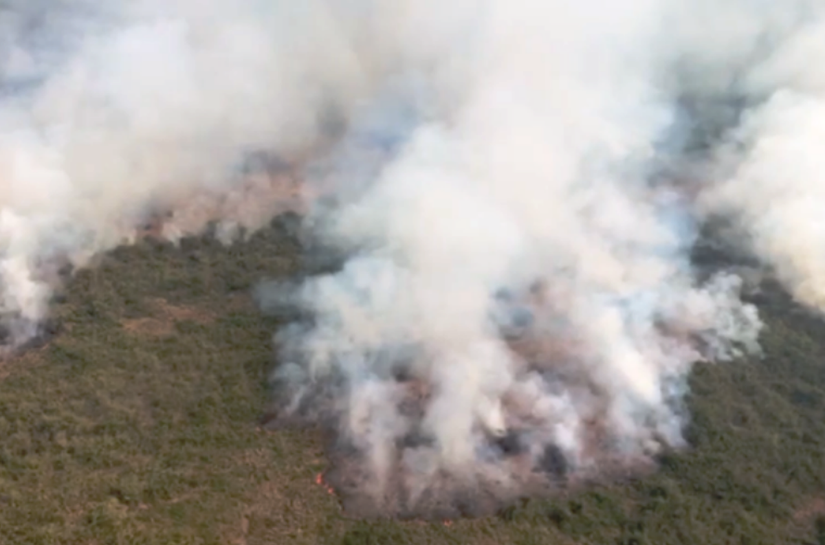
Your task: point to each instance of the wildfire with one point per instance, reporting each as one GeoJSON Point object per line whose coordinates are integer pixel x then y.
{"type": "Point", "coordinates": [319, 480]}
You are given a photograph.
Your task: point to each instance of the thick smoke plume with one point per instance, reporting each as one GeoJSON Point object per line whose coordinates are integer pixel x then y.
{"type": "Point", "coordinates": [516, 188]}
{"type": "Point", "coordinates": [139, 114]}
{"type": "Point", "coordinates": [518, 204]}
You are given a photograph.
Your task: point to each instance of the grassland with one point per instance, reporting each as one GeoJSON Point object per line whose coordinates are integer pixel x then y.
{"type": "Point", "coordinates": [139, 424]}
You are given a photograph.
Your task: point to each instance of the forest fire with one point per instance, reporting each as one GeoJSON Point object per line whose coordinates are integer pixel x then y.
{"type": "Point", "coordinates": [512, 302]}
{"type": "Point", "coordinates": [319, 480]}
{"type": "Point", "coordinates": [269, 188]}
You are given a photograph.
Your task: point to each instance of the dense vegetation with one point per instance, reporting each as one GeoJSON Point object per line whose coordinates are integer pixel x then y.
{"type": "Point", "coordinates": [139, 423]}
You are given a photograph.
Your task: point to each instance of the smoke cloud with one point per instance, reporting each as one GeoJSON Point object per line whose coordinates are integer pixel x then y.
{"type": "Point", "coordinates": [515, 188]}
{"type": "Point", "coordinates": [114, 115]}
{"type": "Point", "coordinates": [518, 309]}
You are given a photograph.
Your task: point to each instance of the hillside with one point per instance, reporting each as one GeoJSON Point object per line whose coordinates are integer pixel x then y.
{"type": "Point", "coordinates": [139, 422]}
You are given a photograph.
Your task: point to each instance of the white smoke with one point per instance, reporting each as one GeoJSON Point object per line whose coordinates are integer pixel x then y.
{"type": "Point", "coordinates": [516, 186]}
{"type": "Point", "coordinates": [519, 294]}
{"type": "Point", "coordinates": [111, 114]}
{"type": "Point", "coordinates": [775, 187]}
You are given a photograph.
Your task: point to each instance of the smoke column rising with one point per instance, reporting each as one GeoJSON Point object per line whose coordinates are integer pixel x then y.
{"type": "Point", "coordinates": [516, 187]}
{"type": "Point", "coordinates": [518, 306]}
{"type": "Point", "coordinates": [111, 114]}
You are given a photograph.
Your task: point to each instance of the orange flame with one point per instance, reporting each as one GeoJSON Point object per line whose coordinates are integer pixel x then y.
{"type": "Point", "coordinates": [319, 480]}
